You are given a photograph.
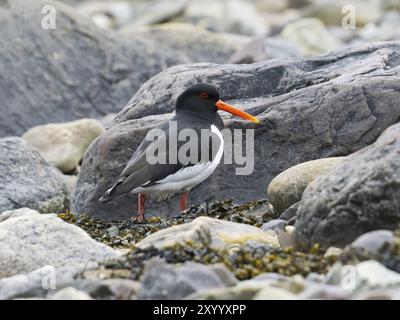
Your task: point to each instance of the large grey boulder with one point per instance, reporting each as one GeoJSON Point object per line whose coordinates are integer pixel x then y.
{"type": "Point", "coordinates": [373, 242]}
{"type": "Point", "coordinates": [36, 283]}
{"type": "Point", "coordinates": [287, 187]}
{"type": "Point", "coordinates": [161, 280]}
{"type": "Point", "coordinates": [151, 12]}
{"type": "Point", "coordinates": [210, 233]}
{"type": "Point", "coordinates": [365, 276]}
{"type": "Point", "coordinates": [310, 36]}
{"type": "Point", "coordinates": [30, 241]}
{"type": "Point", "coordinates": [262, 49]}
{"type": "Point", "coordinates": [74, 71]}
{"type": "Point", "coordinates": [235, 16]}
{"type": "Point", "coordinates": [27, 180]}
{"type": "Point", "coordinates": [70, 293]}
{"type": "Point", "coordinates": [339, 11]}
{"type": "Point", "coordinates": [314, 108]}
{"type": "Point", "coordinates": [47, 281]}
{"type": "Point", "coordinates": [198, 44]}
{"type": "Point", "coordinates": [64, 144]}
{"type": "Point", "coordinates": [359, 195]}
{"type": "Point", "coordinates": [387, 28]}
{"type": "Point", "coordinates": [130, 14]}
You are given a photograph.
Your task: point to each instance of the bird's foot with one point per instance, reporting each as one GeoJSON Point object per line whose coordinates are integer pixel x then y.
{"type": "Point", "coordinates": [138, 219]}
{"type": "Point", "coordinates": [141, 218]}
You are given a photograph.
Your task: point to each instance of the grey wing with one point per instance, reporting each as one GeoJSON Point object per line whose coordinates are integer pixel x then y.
{"type": "Point", "coordinates": [139, 171]}
{"type": "Point", "coordinates": [141, 151]}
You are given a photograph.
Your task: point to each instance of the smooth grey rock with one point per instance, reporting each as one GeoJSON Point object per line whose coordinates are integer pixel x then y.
{"type": "Point", "coordinates": [260, 287]}
{"type": "Point", "coordinates": [290, 213]}
{"type": "Point", "coordinates": [334, 12]}
{"type": "Point", "coordinates": [27, 180]}
{"type": "Point", "coordinates": [210, 232]}
{"type": "Point", "coordinates": [198, 44]}
{"type": "Point", "coordinates": [272, 293]}
{"type": "Point", "coordinates": [64, 144]}
{"type": "Point", "coordinates": [274, 224]}
{"type": "Point", "coordinates": [70, 182]}
{"type": "Point", "coordinates": [287, 187]}
{"type": "Point", "coordinates": [230, 293]}
{"type": "Point", "coordinates": [37, 283]}
{"type": "Point", "coordinates": [226, 276]}
{"type": "Point", "coordinates": [315, 277]}
{"type": "Point", "coordinates": [285, 237]}
{"type": "Point", "coordinates": [260, 212]}
{"type": "Point", "coordinates": [386, 29]}
{"type": "Point", "coordinates": [234, 16]}
{"type": "Point", "coordinates": [309, 109]}
{"type": "Point", "coordinates": [49, 281]}
{"type": "Point", "coordinates": [113, 231]}
{"type": "Point", "coordinates": [165, 281]}
{"type": "Point", "coordinates": [390, 5]}
{"type": "Point", "coordinates": [324, 291]}
{"type": "Point", "coordinates": [74, 71]}
{"type": "Point", "coordinates": [70, 293]}
{"type": "Point", "coordinates": [122, 289]}
{"type": "Point", "coordinates": [263, 49]}
{"type": "Point", "coordinates": [269, 276]}
{"type": "Point", "coordinates": [108, 14]}
{"type": "Point", "coordinates": [347, 36]}
{"type": "Point", "coordinates": [364, 276]}
{"type": "Point", "coordinates": [374, 241]}
{"type": "Point", "coordinates": [155, 11]}
{"type": "Point", "coordinates": [95, 288]}
{"type": "Point", "coordinates": [107, 120]}
{"type": "Point", "coordinates": [116, 14]}
{"type": "Point", "coordinates": [31, 240]}
{"type": "Point", "coordinates": [379, 294]}
{"type": "Point", "coordinates": [310, 36]}
{"type": "Point", "coordinates": [359, 195]}
{"type": "Point", "coordinates": [266, 6]}
{"type": "Point", "coordinates": [333, 252]}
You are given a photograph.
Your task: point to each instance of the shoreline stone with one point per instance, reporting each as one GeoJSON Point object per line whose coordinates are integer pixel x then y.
{"type": "Point", "coordinates": [287, 187]}
{"type": "Point", "coordinates": [64, 144]}
{"type": "Point", "coordinates": [31, 240]}
{"type": "Point", "coordinates": [27, 180]}
{"type": "Point", "coordinates": [360, 194]}
{"type": "Point", "coordinates": [210, 232]}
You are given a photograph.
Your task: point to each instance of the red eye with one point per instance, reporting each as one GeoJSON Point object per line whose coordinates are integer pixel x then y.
{"type": "Point", "coordinates": [204, 95]}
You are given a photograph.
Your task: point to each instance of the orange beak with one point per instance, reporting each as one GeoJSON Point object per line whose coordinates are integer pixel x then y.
{"type": "Point", "coordinates": [232, 110]}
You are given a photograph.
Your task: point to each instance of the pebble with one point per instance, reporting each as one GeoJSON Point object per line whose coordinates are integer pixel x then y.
{"type": "Point", "coordinates": [70, 293]}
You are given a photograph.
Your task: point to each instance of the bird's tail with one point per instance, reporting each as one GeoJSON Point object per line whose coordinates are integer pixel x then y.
{"type": "Point", "coordinates": [108, 195]}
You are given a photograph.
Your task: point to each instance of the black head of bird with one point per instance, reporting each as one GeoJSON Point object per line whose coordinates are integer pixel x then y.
{"type": "Point", "coordinates": [203, 100]}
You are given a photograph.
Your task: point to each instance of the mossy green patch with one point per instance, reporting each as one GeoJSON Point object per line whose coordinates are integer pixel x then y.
{"type": "Point", "coordinates": [245, 262]}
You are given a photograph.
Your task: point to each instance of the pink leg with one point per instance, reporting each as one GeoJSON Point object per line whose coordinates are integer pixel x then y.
{"type": "Point", "coordinates": [141, 201]}
{"type": "Point", "coordinates": [183, 200]}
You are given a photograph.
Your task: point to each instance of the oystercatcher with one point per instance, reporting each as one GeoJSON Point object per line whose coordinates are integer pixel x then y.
{"type": "Point", "coordinates": [196, 109]}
